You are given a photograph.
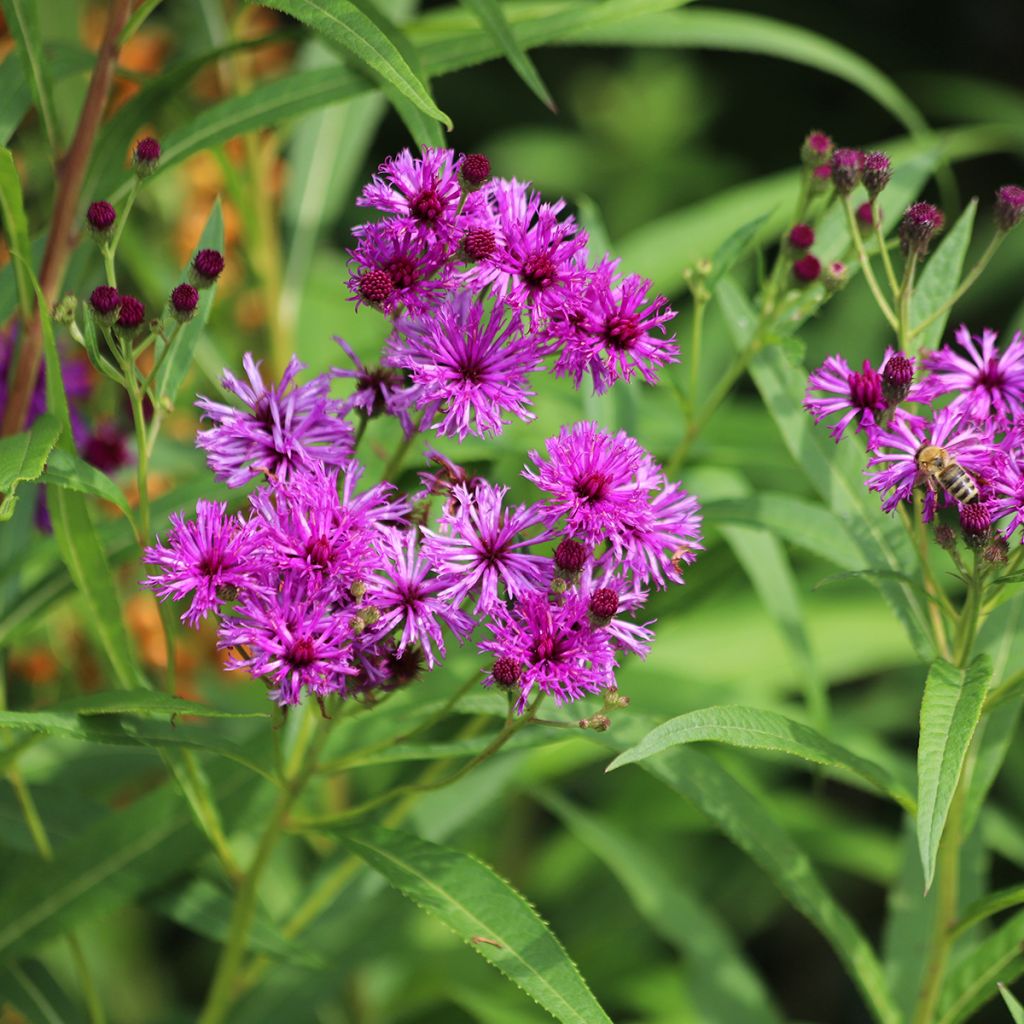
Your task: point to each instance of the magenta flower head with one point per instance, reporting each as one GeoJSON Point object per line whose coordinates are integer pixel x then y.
{"type": "Point", "coordinates": [801, 236]}
{"type": "Point", "coordinates": [920, 223]}
{"type": "Point", "coordinates": [1009, 208]}
{"type": "Point", "coordinates": [897, 379]}
{"type": "Point", "coordinates": [183, 303]}
{"type": "Point", "coordinates": [915, 452]}
{"type": "Point", "coordinates": [398, 268]}
{"type": "Point", "coordinates": [976, 523]}
{"type": "Point", "coordinates": [105, 303]}
{"type": "Point", "coordinates": [847, 166]}
{"type": "Point", "coordinates": [857, 397]}
{"type": "Point", "coordinates": [282, 428]}
{"type": "Point", "coordinates": [876, 173]}
{"type": "Point", "coordinates": [100, 218]}
{"type": "Point", "coordinates": [211, 557]}
{"type": "Point", "coordinates": [474, 170]}
{"type": "Point", "coordinates": [146, 156]}
{"type": "Point", "coordinates": [131, 317]}
{"type": "Point", "coordinates": [986, 383]}
{"type": "Point", "coordinates": [207, 265]}
{"type": "Point", "coordinates": [478, 244]}
{"type": "Point", "coordinates": [807, 268]}
{"type": "Point", "coordinates": [816, 150]}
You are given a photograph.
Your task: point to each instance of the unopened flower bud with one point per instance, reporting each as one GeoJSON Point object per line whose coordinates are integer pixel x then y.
{"type": "Point", "coordinates": [801, 236]}
{"type": "Point", "coordinates": [227, 591]}
{"type": "Point", "coordinates": [897, 377]}
{"type": "Point", "coordinates": [614, 699]}
{"type": "Point", "coordinates": [604, 603]}
{"type": "Point", "coordinates": [357, 588]}
{"type": "Point", "coordinates": [821, 178]}
{"type": "Point", "coordinates": [375, 286]}
{"type": "Point", "coordinates": [105, 303]}
{"type": "Point", "coordinates": [847, 166]}
{"type": "Point", "coordinates": [997, 551]}
{"type": "Point", "coordinates": [570, 557]}
{"type": "Point", "coordinates": [1009, 206]}
{"type": "Point", "coordinates": [599, 723]}
{"type": "Point", "coordinates": [807, 269]}
{"type": "Point", "coordinates": [816, 150]}
{"type": "Point", "coordinates": [835, 276]}
{"type": "Point", "coordinates": [976, 523]}
{"type": "Point", "coordinates": [865, 216]}
{"type": "Point", "coordinates": [207, 265]}
{"type": "Point", "coordinates": [876, 173]}
{"type": "Point", "coordinates": [64, 311]}
{"type": "Point", "coordinates": [506, 671]}
{"type": "Point", "coordinates": [559, 585]}
{"type": "Point", "coordinates": [146, 156]}
{"type": "Point", "coordinates": [945, 536]}
{"type": "Point", "coordinates": [184, 300]}
{"type": "Point", "coordinates": [100, 217]}
{"type": "Point", "coordinates": [475, 171]}
{"type": "Point", "coordinates": [131, 318]}
{"type": "Point", "coordinates": [920, 224]}
{"type": "Point", "coordinates": [478, 244]}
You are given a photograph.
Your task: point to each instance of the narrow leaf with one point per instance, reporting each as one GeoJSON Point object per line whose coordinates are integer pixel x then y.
{"type": "Point", "coordinates": [755, 729]}
{"type": "Point", "coordinates": [66, 470]}
{"type": "Point", "coordinates": [484, 911]}
{"type": "Point", "coordinates": [492, 17]}
{"type": "Point", "coordinates": [23, 22]}
{"type": "Point", "coordinates": [17, 96]}
{"type": "Point", "coordinates": [15, 225]}
{"type": "Point", "coordinates": [22, 458]}
{"type": "Point", "coordinates": [994, 903]}
{"type": "Point", "coordinates": [345, 24]}
{"type": "Point", "coordinates": [733, 248]}
{"type": "Point", "coordinates": [1012, 1003]}
{"type": "Point", "coordinates": [145, 702]}
{"type": "Point", "coordinates": [950, 711]}
{"type": "Point", "coordinates": [939, 280]}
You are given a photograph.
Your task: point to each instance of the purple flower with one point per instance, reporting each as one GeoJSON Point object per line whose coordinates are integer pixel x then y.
{"type": "Point", "coordinates": [1007, 497]}
{"type": "Point", "coordinates": [210, 557]}
{"type": "Point", "coordinates": [410, 262]}
{"type": "Point", "coordinates": [481, 545]}
{"type": "Point", "coordinates": [284, 427]}
{"type": "Point", "coordinates": [379, 389]}
{"type": "Point", "coordinates": [469, 365]}
{"type": "Point", "coordinates": [990, 383]}
{"type": "Point", "coordinates": [295, 639]}
{"type": "Point", "coordinates": [898, 446]}
{"type": "Point", "coordinates": [608, 597]}
{"type": "Point", "coordinates": [550, 646]}
{"type": "Point", "coordinates": [855, 396]}
{"type": "Point", "coordinates": [408, 598]}
{"type": "Point", "coordinates": [591, 479]}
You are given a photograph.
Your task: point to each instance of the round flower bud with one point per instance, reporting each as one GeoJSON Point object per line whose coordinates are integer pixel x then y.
{"type": "Point", "coordinates": [105, 303]}
{"type": "Point", "coordinates": [604, 603]}
{"type": "Point", "coordinates": [207, 265]}
{"type": "Point", "coordinates": [865, 215]}
{"type": "Point", "coordinates": [599, 723]}
{"type": "Point", "coordinates": [100, 218]}
{"type": "Point", "coordinates": [131, 317]}
{"type": "Point", "coordinates": [475, 170]}
{"type": "Point", "coordinates": [570, 557]}
{"type": "Point", "coordinates": [184, 300]}
{"type": "Point", "coordinates": [801, 236]}
{"type": "Point", "coordinates": [506, 671]}
{"type": "Point", "coordinates": [816, 150]}
{"type": "Point", "coordinates": [847, 165]}
{"type": "Point", "coordinates": [975, 521]}
{"type": "Point", "coordinates": [807, 269]}
{"type": "Point", "coordinates": [945, 536]}
{"type": "Point", "coordinates": [64, 311]}
{"type": "Point", "coordinates": [1009, 206]}
{"type": "Point", "coordinates": [897, 376]}
{"type": "Point", "coordinates": [876, 173]}
{"type": "Point", "coordinates": [997, 551]}
{"type": "Point", "coordinates": [834, 276]}
{"type": "Point", "coordinates": [920, 223]}
{"type": "Point", "coordinates": [374, 287]}
{"type": "Point", "coordinates": [821, 178]}
{"type": "Point", "coordinates": [146, 156]}
{"type": "Point", "coordinates": [478, 244]}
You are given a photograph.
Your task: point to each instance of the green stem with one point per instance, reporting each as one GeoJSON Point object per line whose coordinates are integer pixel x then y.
{"type": "Point", "coordinates": [700, 302]}
{"type": "Point", "coordinates": [906, 291]}
{"type": "Point", "coordinates": [865, 265]}
{"type": "Point", "coordinates": [965, 285]}
{"type": "Point", "coordinates": [883, 249]}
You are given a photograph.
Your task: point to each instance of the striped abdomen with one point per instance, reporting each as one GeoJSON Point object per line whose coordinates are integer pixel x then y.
{"type": "Point", "coordinates": [959, 483]}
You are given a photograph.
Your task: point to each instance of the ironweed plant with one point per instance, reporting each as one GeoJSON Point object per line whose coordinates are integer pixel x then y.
{"type": "Point", "coordinates": [285, 618]}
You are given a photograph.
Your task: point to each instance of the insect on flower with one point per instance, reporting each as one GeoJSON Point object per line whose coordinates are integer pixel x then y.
{"type": "Point", "coordinates": [939, 466]}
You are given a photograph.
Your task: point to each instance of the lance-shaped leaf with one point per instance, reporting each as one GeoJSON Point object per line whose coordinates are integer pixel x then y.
{"type": "Point", "coordinates": [15, 226]}
{"type": "Point", "coordinates": [950, 711]}
{"type": "Point", "coordinates": [754, 729]}
{"type": "Point", "coordinates": [23, 23]}
{"type": "Point", "coordinates": [484, 911]}
{"type": "Point", "coordinates": [23, 457]}
{"type": "Point", "coordinates": [1012, 1003]}
{"type": "Point", "coordinates": [66, 470]}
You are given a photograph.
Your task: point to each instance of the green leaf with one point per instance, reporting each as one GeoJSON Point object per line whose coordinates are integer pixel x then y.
{"type": "Point", "coordinates": [346, 25]}
{"type": "Point", "coordinates": [1012, 1003]}
{"type": "Point", "coordinates": [484, 911]}
{"type": "Point", "coordinates": [971, 982]}
{"type": "Point", "coordinates": [23, 22]}
{"type": "Point", "coordinates": [15, 225]}
{"type": "Point", "coordinates": [994, 903]}
{"type": "Point", "coordinates": [725, 985]}
{"type": "Point", "coordinates": [178, 361]}
{"type": "Point", "coordinates": [754, 729]}
{"type": "Point", "coordinates": [871, 575]}
{"type": "Point", "coordinates": [22, 458]}
{"type": "Point", "coordinates": [950, 711]}
{"type": "Point", "coordinates": [492, 17]}
{"type": "Point", "coordinates": [734, 247]}
{"type": "Point", "coordinates": [31, 989]}
{"type": "Point", "coordinates": [17, 96]}
{"type": "Point", "coordinates": [74, 473]}
{"type": "Point", "coordinates": [939, 279]}
{"type": "Point", "coordinates": [144, 702]}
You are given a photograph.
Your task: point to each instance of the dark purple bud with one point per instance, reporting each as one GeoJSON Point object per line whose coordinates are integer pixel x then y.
{"type": "Point", "coordinates": [1009, 206]}
{"type": "Point", "coordinates": [184, 300]}
{"type": "Point", "coordinates": [475, 170]}
{"type": "Point", "coordinates": [821, 178]}
{"type": "Point", "coordinates": [105, 303]}
{"type": "Point", "coordinates": [105, 448]}
{"type": "Point", "coordinates": [570, 556]}
{"type": "Point", "coordinates": [375, 286]}
{"type": "Point", "coordinates": [975, 521]}
{"type": "Point", "coordinates": [865, 215]}
{"type": "Point", "coordinates": [816, 150]}
{"type": "Point", "coordinates": [146, 156]}
{"type": "Point", "coordinates": [207, 266]}
{"type": "Point", "coordinates": [876, 173]}
{"type": "Point", "coordinates": [132, 315]}
{"type": "Point", "coordinates": [478, 244]}
{"type": "Point", "coordinates": [604, 603]}
{"type": "Point", "coordinates": [101, 217]}
{"type": "Point", "coordinates": [801, 236]}
{"type": "Point", "coordinates": [506, 671]}
{"type": "Point", "coordinates": [920, 223]}
{"type": "Point", "coordinates": [897, 376]}
{"type": "Point", "coordinates": [847, 165]}
{"type": "Point", "coordinates": [807, 269]}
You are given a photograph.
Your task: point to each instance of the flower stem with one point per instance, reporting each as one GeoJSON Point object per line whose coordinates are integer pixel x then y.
{"type": "Point", "coordinates": [883, 249]}
{"type": "Point", "coordinates": [906, 291]}
{"type": "Point", "coordinates": [865, 265]}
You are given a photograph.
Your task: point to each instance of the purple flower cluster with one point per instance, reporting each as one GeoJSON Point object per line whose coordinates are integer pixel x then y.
{"type": "Point", "coordinates": [955, 433]}
{"type": "Point", "coordinates": [486, 286]}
